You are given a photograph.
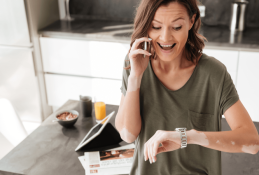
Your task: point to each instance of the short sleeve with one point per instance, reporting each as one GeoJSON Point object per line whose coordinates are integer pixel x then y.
{"type": "Point", "coordinates": [229, 95]}
{"type": "Point", "coordinates": [125, 75]}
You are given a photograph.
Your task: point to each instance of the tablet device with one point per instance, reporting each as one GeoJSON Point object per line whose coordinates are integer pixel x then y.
{"type": "Point", "coordinates": [95, 131]}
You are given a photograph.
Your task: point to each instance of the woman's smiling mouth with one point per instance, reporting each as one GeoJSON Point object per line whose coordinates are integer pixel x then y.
{"type": "Point", "coordinates": [166, 48]}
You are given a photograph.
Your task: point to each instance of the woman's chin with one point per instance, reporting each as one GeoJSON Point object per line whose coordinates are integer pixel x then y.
{"type": "Point", "coordinates": [165, 57]}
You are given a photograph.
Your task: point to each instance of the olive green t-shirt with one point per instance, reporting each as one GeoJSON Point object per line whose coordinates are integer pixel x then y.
{"type": "Point", "coordinates": [199, 104]}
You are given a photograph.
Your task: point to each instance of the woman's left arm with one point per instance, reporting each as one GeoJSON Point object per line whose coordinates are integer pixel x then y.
{"type": "Point", "coordinates": [243, 136]}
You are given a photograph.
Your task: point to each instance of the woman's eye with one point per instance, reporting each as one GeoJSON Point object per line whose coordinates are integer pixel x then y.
{"type": "Point", "coordinates": [177, 28]}
{"type": "Point", "coordinates": [156, 28]}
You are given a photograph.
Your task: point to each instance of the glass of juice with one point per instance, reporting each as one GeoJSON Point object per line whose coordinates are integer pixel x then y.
{"type": "Point", "coordinates": [100, 111]}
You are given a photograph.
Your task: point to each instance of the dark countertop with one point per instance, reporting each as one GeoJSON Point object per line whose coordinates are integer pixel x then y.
{"type": "Point", "coordinates": [50, 149]}
{"type": "Point", "coordinates": [103, 30]}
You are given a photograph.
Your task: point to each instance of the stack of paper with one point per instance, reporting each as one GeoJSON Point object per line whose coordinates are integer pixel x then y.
{"type": "Point", "coordinates": [113, 161]}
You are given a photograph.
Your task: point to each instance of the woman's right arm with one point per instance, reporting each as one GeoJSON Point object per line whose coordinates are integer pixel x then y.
{"type": "Point", "coordinates": [128, 120]}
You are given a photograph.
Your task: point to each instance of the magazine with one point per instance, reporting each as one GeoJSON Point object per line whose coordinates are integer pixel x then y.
{"type": "Point", "coordinates": [114, 161]}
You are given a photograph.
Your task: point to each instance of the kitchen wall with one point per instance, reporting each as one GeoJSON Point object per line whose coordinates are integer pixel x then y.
{"type": "Point", "coordinates": [217, 11]}
{"type": "Point", "coordinates": [119, 10]}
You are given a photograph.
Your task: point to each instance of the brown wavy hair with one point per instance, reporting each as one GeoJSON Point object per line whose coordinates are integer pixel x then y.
{"type": "Point", "coordinates": [145, 14]}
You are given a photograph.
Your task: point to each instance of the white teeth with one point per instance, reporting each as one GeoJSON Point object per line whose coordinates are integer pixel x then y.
{"type": "Point", "coordinates": [166, 45]}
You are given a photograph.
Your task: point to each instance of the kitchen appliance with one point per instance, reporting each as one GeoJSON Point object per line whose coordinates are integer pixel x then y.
{"type": "Point", "coordinates": [18, 81]}
{"type": "Point", "coordinates": [237, 20]}
{"type": "Point", "coordinates": [64, 12]}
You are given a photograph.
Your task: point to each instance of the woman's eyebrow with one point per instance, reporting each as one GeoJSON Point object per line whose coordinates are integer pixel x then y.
{"type": "Point", "coordinates": [171, 22]}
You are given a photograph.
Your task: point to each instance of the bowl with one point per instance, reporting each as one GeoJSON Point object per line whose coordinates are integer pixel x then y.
{"type": "Point", "coordinates": [67, 123]}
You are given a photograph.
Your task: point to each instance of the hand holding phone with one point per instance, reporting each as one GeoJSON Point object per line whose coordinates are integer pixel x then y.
{"type": "Point", "coordinates": [136, 55]}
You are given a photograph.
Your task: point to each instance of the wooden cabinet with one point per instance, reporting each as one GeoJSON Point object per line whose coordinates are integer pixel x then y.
{"type": "Point", "coordinates": [248, 82]}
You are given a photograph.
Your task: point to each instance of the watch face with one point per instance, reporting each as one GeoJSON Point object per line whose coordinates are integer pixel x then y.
{"type": "Point", "coordinates": [180, 129]}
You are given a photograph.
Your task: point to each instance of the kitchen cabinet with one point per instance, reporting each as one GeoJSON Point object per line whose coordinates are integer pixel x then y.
{"type": "Point", "coordinates": [76, 67]}
{"type": "Point", "coordinates": [18, 82]}
{"type": "Point", "coordinates": [83, 58]}
{"type": "Point", "coordinates": [60, 88]}
{"type": "Point", "coordinates": [248, 82]}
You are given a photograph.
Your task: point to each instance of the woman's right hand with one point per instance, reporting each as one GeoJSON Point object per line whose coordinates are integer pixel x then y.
{"type": "Point", "coordinates": [137, 61]}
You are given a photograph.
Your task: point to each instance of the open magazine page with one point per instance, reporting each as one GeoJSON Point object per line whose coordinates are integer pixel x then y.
{"type": "Point", "coordinates": [117, 160]}
{"type": "Point", "coordinates": [114, 158]}
{"type": "Point", "coordinates": [110, 171]}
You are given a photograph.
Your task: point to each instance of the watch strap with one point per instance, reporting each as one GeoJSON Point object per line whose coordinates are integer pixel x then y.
{"type": "Point", "coordinates": [183, 136]}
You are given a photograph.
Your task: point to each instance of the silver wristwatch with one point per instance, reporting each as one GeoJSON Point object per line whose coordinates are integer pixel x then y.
{"type": "Point", "coordinates": [183, 136]}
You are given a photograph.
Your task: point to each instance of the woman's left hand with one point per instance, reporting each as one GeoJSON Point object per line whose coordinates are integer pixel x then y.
{"type": "Point", "coordinates": [170, 141]}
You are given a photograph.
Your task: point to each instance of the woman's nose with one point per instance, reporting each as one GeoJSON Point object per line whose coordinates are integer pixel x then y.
{"type": "Point", "coordinates": [165, 35]}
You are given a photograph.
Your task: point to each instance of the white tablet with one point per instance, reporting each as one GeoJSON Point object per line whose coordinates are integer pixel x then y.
{"type": "Point", "coordinates": [95, 131]}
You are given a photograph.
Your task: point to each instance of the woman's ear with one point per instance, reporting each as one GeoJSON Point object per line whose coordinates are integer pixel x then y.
{"type": "Point", "coordinates": [192, 21]}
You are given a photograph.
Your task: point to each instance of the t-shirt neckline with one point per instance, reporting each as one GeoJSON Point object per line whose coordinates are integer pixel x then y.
{"type": "Point", "coordinates": [191, 77]}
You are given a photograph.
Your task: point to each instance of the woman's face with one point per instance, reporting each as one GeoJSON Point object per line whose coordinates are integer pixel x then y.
{"type": "Point", "coordinates": [169, 30]}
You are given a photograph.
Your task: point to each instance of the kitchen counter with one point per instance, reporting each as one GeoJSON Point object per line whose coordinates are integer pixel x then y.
{"type": "Point", "coordinates": [50, 149]}
{"type": "Point", "coordinates": [103, 30]}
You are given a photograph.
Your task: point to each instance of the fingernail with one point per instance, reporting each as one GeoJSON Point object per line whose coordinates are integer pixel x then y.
{"type": "Point", "coordinates": [150, 39]}
{"type": "Point", "coordinates": [150, 161]}
{"type": "Point", "coordinates": [153, 160]}
{"type": "Point", "coordinates": [150, 53]}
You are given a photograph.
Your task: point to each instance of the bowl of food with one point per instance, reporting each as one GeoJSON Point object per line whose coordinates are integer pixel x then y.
{"type": "Point", "coordinates": [67, 118]}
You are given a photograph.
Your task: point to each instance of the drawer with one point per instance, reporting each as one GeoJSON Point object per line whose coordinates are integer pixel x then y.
{"type": "Point", "coordinates": [85, 58]}
{"type": "Point", "coordinates": [61, 88]}
{"type": "Point", "coordinates": [248, 82]}
{"type": "Point", "coordinates": [228, 57]}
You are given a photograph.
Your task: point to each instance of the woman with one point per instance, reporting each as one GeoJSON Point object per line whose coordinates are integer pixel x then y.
{"type": "Point", "coordinates": [176, 85]}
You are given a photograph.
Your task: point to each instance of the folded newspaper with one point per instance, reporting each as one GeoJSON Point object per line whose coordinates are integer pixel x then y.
{"type": "Point", "coordinates": [113, 161]}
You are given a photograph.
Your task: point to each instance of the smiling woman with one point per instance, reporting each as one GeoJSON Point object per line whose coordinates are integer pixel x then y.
{"type": "Point", "coordinates": [176, 95]}
{"type": "Point", "coordinates": [181, 22]}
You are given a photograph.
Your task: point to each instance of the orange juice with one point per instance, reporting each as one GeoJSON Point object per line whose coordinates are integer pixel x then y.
{"type": "Point", "coordinates": [100, 110]}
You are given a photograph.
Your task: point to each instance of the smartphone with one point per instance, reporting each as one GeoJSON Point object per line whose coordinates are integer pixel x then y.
{"type": "Point", "coordinates": [147, 47]}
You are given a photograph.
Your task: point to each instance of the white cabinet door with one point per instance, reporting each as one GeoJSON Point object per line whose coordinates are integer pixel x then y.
{"type": "Point", "coordinates": [61, 88]}
{"type": "Point", "coordinates": [228, 57]}
{"type": "Point", "coordinates": [13, 24]}
{"type": "Point", "coordinates": [84, 58]}
{"type": "Point", "coordinates": [248, 82]}
{"type": "Point", "coordinates": [18, 82]}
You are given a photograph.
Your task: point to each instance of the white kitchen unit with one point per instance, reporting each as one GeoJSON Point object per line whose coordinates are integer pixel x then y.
{"type": "Point", "coordinates": [248, 82]}
{"type": "Point", "coordinates": [60, 88]}
{"type": "Point", "coordinates": [20, 79]}
{"type": "Point", "coordinates": [76, 67]}
{"type": "Point", "coordinates": [18, 82]}
{"type": "Point", "coordinates": [83, 58]}
{"type": "Point", "coordinates": [228, 57]}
